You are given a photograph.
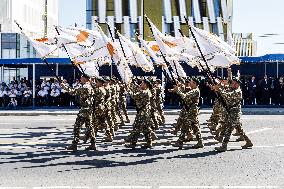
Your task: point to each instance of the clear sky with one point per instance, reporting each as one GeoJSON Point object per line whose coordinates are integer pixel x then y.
{"type": "Point", "coordinates": [71, 12]}
{"type": "Point", "coordinates": [250, 16]}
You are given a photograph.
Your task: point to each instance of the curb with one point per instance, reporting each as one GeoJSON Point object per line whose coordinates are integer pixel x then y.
{"type": "Point", "coordinates": [245, 111]}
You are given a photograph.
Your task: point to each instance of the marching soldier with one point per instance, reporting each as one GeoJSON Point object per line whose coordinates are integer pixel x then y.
{"type": "Point", "coordinates": [159, 100]}
{"type": "Point", "coordinates": [142, 123]}
{"type": "Point", "coordinates": [190, 119]}
{"type": "Point", "coordinates": [233, 98]}
{"type": "Point", "coordinates": [122, 101]}
{"type": "Point", "coordinates": [85, 113]}
{"type": "Point", "coordinates": [110, 124]}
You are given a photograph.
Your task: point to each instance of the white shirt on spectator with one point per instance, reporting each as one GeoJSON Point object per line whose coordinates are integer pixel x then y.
{"type": "Point", "coordinates": [42, 93]}
{"type": "Point", "coordinates": [1, 93]}
{"type": "Point", "coordinates": [12, 94]}
{"type": "Point", "coordinates": [54, 93]}
{"type": "Point", "coordinates": [27, 93]}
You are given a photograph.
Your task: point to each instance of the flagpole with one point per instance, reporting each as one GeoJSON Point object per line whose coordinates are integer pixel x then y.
{"type": "Point", "coordinates": [208, 72]}
{"type": "Point", "coordinates": [164, 58]}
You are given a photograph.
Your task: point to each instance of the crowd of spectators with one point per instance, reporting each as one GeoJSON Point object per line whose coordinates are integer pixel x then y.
{"type": "Point", "coordinates": [48, 93]}
{"type": "Point", "coordinates": [265, 91]}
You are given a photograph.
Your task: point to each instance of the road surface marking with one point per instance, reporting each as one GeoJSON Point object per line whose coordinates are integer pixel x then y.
{"type": "Point", "coordinates": [124, 187]}
{"type": "Point", "coordinates": [67, 187]}
{"type": "Point", "coordinates": [187, 187]}
{"type": "Point", "coordinates": [259, 130]}
{"type": "Point", "coordinates": [249, 187]}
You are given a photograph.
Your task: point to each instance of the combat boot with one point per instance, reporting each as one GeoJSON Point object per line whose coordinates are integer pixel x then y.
{"type": "Point", "coordinates": [116, 127]}
{"type": "Point", "coordinates": [108, 138]}
{"type": "Point", "coordinates": [127, 120]}
{"type": "Point", "coordinates": [219, 138]}
{"type": "Point", "coordinates": [241, 138]}
{"type": "Point", "coordinates": [178, 144]}
{"type": "Point", "coordinates": [72, 147]}
{"type": "Point", "coordinates": [85, 138]}
{"type": "Point", "coordinates": [147, 145]}
{"type": "Point", "coordinates": [248, 144]}
{"type": "Point", "coordinates": [198, 145]}
{"type": "Point", "coordinates": [153, 136]}
{"type": "Point", "coordinates": [92, 146]}
{"type": "Point", "coordinates": [189, 137]}
{"type": "Point", "coordinates": [222, 148]}
{"type": "Point", "coordinates": [131, 145]}
{"type": "Point", "coordinates": [237, 134]}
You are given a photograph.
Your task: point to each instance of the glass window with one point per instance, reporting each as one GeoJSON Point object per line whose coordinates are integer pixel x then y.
{"type": "Point", "coordinates": [9, 41]}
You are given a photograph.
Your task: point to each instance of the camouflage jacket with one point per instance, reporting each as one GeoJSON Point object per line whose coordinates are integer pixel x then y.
{"type": "Point", "coordinates": [99, 99]}
{"type": "Point", "coordinates": [233, 99]}
{"type": "Point", "coordinates": [107, 96]}
{"type": "Point", "coordinates": [159, 95]}
{"type": "Point", "coordinates": [190, 98]}
{"type": "Point", "coordinates": [85, 94]}
{"type": "Point", "coordinates": [142, 98]}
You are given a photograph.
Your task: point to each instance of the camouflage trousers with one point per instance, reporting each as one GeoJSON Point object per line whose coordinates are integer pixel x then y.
{"type": "Point", "coordinates": [109, 123]}
{"type": "Point", "coordinates": [190, 122]}
{"type": "Point", "coordinates": [222, 123]}
{"type": "Point", "coordinates": [142, 124]}
{"type": "Point", "coordinates": [155, 118]}
{"type": "Point", "coordinates": [84, 117]}
{"type": "Point", "coordinates": [122, 104]}
{"type": "Point", "coordinates": [161, 112]}
{"type": "Point", "coordinates": [215, 116]}
{"type": "Point", "coordinates": [232, 122]}
{"type": "Point", "coordinates": [180, 118]}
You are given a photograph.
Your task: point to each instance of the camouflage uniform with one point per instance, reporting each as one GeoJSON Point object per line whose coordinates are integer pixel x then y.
{"type": "Point", "coordinates": [85, 113]}
{"type": "Point", "coordinates": [190, 118]}
{"type": "Point", "coordinates": [142, 122]}
{"type": "Point", "coordinates": [113, 107]}
{"type": "Point", "coordinates": [160, 103]}
{"type": "Point", "coordinates": [108, 116]}
{"type": "Point", "coordinates": [153, 110]}
{"type": "Point", "coordinates": [122, 101]}
{"type": "Point", "coordinates": [215, 116]}
{"type": "Point", "coordinates": [99, 117]}
{"type": "Point", "coordinates": [182, 114]}
{"type": "Point", "coordinates": [233, 98]}
{"type": "Point", "coordinates": [117, 104]}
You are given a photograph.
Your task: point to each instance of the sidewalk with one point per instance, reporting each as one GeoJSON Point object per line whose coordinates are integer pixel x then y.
{"type": "Point", "coordinates": [55, 112]}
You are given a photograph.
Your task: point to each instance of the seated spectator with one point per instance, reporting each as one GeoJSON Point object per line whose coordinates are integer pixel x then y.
{"type": "Point", "coordinates": [13, 101]}
{"type": "Point", "coordinates": [6, 97]}
{"type": "Point", "coordinates": [2, 93]}
{"type": "Point", "coordinates": [54, 96]}
{"type": "Point", "coordinates": [27, 97]}
{"type": "Point", "coordinates": [42, 97]}
{"type": "Point", "coordinates": [64, 95]}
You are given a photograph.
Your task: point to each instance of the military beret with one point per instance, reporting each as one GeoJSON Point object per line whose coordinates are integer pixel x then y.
{"type": "Point", "coordinates": [149, 83]}
{"type": "Point", "coordinates": [236, 79]}
{"type": "Point", "coordinates": [196, 80]}
{"type": "Point", "coordinates": [85, 76]}
{"type": "Point", "coordinates": [100, 79]}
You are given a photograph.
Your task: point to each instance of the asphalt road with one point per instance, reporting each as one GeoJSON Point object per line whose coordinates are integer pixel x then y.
{"type": "Point", "coordinates": [32, 154]}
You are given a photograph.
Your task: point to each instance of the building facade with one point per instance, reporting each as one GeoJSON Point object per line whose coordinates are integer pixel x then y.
{"type": "Point", "coordinates": [36, 18]}
{"type": "Point", "coordinates": [245, 45]}
{"type": "Point", "coordinates": [127, 15]}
